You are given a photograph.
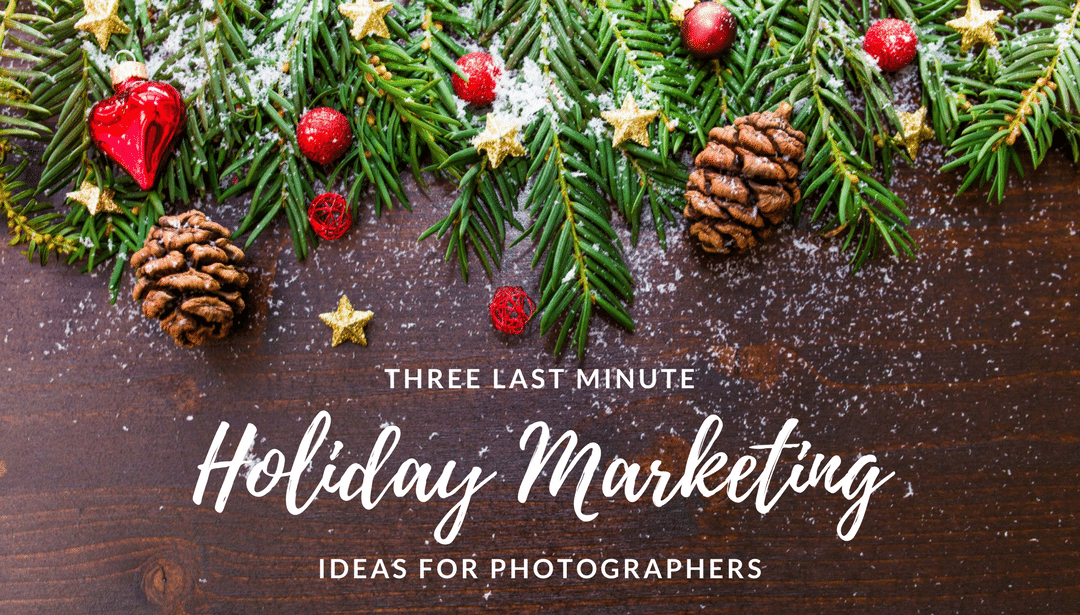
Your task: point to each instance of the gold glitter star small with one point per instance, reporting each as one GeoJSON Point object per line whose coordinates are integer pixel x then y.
{"type": "Point", "coordinates": [630, 122]}
{"type": "Point", "coordinates": [101, 20]}
{"type": "Point", "coordinates": [976, 26]}
{"type": "Point", "coordinates": [368, 17]}
{"type": "Point", "coordinates": [679, 9]}
{"type": "Point", "coordinates": [347, 323]}
{"type": "Point", "coordinates": [915, 130]}
{"type": "Point", "coordinates": [95, 199]}
{"type": "Point", "coordinates": [499, 139]}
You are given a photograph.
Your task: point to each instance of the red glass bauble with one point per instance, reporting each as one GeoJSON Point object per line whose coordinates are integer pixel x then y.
{"type": "Point", "coordinates": [136, 126]}
{"type": "Point", "coordinates": [329, 215]}
{"type": "Point", "coordinates": [483, 74]}
{"type": "Point", "coordinates": [324, 135]}
{"type": "Point", "coordinates": [708, 30]}
{"type": "Point", "coordinates": [892, 42]}
{"type": "Point", "coordinates": [511, 309]}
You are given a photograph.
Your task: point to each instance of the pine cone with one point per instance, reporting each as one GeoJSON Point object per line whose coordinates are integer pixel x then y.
{"type": "Point", "coordinates": [186, 276]}
{"type": "Point", "coordinates": [745, 183]}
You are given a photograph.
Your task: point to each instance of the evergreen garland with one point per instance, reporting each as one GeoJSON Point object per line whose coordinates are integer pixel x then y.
{"type": "Point", "coordinates": [248, 69]}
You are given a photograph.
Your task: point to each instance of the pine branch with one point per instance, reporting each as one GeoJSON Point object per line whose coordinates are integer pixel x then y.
{"type": "Point", "coordinates": [948, 80]}
{"type": "Point", "coordinates": [583, 268]}
{"type": "Point", "coordinates": [1034, 96]}
{"type": "Point", "coordinates": [841, 151]}
{"type": "Point", "coordinates": [478, 216]}
{"type": "Point", "coordinates": [583, 264]}
{"type": "Point", "coordinates": [44, 231]}
{"type": "Point", "coordinates": [18, 33]}
{"type": "Point", "coordinates": [635, 47]}
{"type": "Point", "coordinates": [727, 89]}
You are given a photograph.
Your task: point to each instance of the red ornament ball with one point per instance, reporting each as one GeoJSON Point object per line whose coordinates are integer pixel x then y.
{"type": "Point", "coordinates": [323, 135]}
{"type": "Point", "coordinates": [483, 75]}
{"type": "Point", "coordinates": [892, 42]}
{"type": "Point", "coordinates": [708, 30]}
{"type": "Point", "coordinates": [511, 309]}
{"type": "Point", "coordinates": [329, 215]}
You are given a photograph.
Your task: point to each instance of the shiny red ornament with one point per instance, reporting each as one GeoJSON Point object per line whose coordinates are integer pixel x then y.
{"type": "Point", "coordinates": [329, 215]}
{"type": "Point", "coordinates": [483, 75]}
{"type": "Point", "coordinates": [136, 126]}
{"type": "Point", "coordinates": [708, 30]}
{"type": "Point", "coordinates": [892, 43]}
{"type": "Point", "coordinates": [324, 135]}
{"type": "Point", "coordinates": [511, 309]}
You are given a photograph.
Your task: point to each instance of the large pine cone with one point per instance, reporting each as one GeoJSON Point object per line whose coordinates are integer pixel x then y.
{"type": "Point", "coordinates": [745, 183]}
{"type": "Point", "coordinates": [186, 276]}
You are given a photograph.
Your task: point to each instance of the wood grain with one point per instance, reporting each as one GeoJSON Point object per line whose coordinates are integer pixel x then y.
{"type": "Point", "coordinates": [960, 371]}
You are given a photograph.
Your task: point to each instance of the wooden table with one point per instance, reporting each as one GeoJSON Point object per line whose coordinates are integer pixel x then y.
{"type": "Point", "coordinates": [959, 371]}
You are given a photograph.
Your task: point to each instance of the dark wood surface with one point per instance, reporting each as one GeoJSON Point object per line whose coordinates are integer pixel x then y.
{"type": "Point", "coordinates": [960, 371]}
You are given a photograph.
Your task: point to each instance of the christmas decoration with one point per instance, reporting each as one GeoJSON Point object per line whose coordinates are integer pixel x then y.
{"type": "Point", "coordinates": [511, 309]}
{"type": "Point", "coordinates": [483, 75]}
{"type": "Point", "coordinates": [977, 26]}
{"type": "Point", "coordinates": [368, 17]}
{"type": "Point", "coordinates": [708, 30]}
{"type": "Point", "coordinates": [573, 182]}
{"type": "Point", "coordinates": [346, 323]}
{"type": "Point", "coordinates": [630, 122]}
{"type": "Point", "coordinates": [679, 9]}
{"type": "Point", "coordinates": [745, 182]}
{"type": "Point", "coordinates": [101, 20]}
{"type": "Point", "coordinates": [892, 43]}
{"type": "Point", "coordinates": [329, 215]}
{"type": "Point", "coordinates": [137, 126]}
{"type": "Point", "coordinates": [95, 199]}
{"type": "Point", "coordinates": [187, 276]}
{"type": "Point", "coordinates": [323, 135]}
{"type": "Point", "coordinates": [914, 132]}
{"type": "Point", "coordinates": [499, 140]}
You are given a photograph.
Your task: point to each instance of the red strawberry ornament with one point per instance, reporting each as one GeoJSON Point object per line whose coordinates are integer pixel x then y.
{"type": "Point", "coordinates": [483, 75]}
{"type": "Point", "coordinates": [892, 43]}
{"type": "Point", "coordinates": [136, 126]}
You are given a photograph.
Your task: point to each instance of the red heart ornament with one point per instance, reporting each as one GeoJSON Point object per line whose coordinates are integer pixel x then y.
{"type": "Point", "coordinates": [137, 125]}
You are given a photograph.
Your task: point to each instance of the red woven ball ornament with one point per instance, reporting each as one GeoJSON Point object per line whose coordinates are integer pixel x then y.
{"type": "Point", "coordinates": [892, 42]}
{"type": "Point", "coordinates": [329, 215]}
{"type": "Point", "coordinates": [511, 309]}
{"type": "Point", "coordinates": [708, 30]}
{"type": "Point", "coordinates": [323, 135]}
{"type": "Point", "coordinates": [483, 74]}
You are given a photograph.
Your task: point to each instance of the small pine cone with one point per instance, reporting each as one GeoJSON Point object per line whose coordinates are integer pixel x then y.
{"type": "Point", "coordinates": [745, 182]}
{"type": "Point", "coordinates": [186, 276]}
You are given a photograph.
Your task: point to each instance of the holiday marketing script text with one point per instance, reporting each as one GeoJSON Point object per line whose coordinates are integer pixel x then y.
{"type": "Point", "coordinates": [705, 472]}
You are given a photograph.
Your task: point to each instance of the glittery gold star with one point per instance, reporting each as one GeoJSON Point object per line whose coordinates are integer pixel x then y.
{"type": "Point", "coordinates": [95, 199]}
{"type": "Point", "coordinates": [499, 139]}
{"type": "Point", "coordinates": [347, 323]}
{"type": "Point", "coordinates": [976, 26]}
{"type": "Point", "coordinates": [630, 122]}
{"type": "Point", "coordinates": [101, 20]}
{"type": "Point", "coordinates": [368, 17]}
{"type": "Point", "coordinates": [679, 9]}
{"type": "Point", "coordinates": [914, 132]}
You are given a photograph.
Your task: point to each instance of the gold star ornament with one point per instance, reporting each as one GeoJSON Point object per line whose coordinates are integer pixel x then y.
{"type": "Point", "coordinates": [95, 199]}
{"type": "Point", "coordinates": [915, 131]}
{"type": "Point", "coordinates": [347, 323]}
{"type": "Point", "coordinates": [976, 26]}
{"type": "Point", "coordinates": [630, 122]}
{"type": "Point", "coordinates": [499, 140]}
{"type": "Point", "coordinates": [679, 9]}
{"type": "Point", "coordinates": [368, 17]}
{"type": "Point", "coordinates": [101, 20]}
